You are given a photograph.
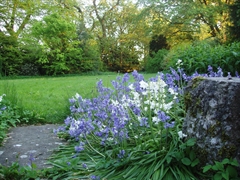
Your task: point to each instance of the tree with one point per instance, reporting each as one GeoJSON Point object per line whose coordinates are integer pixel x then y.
{"type": "Point", "coordinates": [190, 20]}
{"type": "Point", "coordinates": [234, 33]}
{"type": "Point", "coordinates": [119, 35]}
{"type": "Point", "coordinates": [157, 43]}
{"type": "Point", "coordinates": [9, 64]}
{"type": "Point", "coordinates": [59, 42]}
{"type": "Point", "coordinates": [16, 15]}
{"type": "Point", "coordinates": [103, 11]}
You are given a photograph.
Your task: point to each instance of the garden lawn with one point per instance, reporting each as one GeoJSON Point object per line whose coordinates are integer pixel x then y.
{"type": "Point", "coordinates": [48, 96]}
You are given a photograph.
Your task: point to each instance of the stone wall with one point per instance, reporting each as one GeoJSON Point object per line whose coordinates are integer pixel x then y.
{"type": "Point", "coordinates": [213, 117]}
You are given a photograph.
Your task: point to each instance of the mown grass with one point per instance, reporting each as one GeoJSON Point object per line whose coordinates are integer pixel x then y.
{"type": "Point", "coordinates": [48, 96]}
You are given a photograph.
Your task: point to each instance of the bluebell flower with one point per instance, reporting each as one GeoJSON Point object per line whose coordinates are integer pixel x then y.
{"type": "Point", "coordinates": [31, 158]}
{"type": "Point", "coordinates": [229, 75]}
{"type": "Point", "coordinates": [169, 124]}
{"type": "Point", "coordinates": [237, 75]}
{"type": "Point", "coordinates": [121, 154]}
{"type": "Point", "coordinates": [80, 147]}
{"type": "Point", "coordinates": [136, 110]}
{"type": "Point", "coordinates": [169, 80]}
{"type": "Point", "coordinates": [144, 121]}
{"type": "Point", "coordinates": [68, 120]}
{"type": "Point", "coordinates": [109, 115]}
{"type": "Point", "coordinates": [180, 71]}
{"type": "Point", "coordinates": [72, 100]}
{"type": "Point", "coordinates": [185, 77]}
{"type": "Point", "coordinates": [98, 133]}
{"type": "Point", "coordinates": [154, 79]}
{"type": "Point", "coordinates": [137, 77]}
{"type": "Point", "coordinates": [84, 166]}
{"type": "Point", "coordinates": [211, 72]}
{"type": "Point", "coordinates": [162, 116]}
{"type": "Point", "coordinates": [93, 177]}
{"type": "Point", "coordinates": [195, 74]}
{"type": "Point", "coordinates": [175, 74]}
{"type": "Point", "coordinates": [3, 108]}
{"type": "Point", "coordinates": [125, 78]}
{"type": "Point", "coordinates": [115, 84]}
{"type": "Point", "coordinates": [219, 72]}
{"type": "Point", "coordinates": [73, 109]}
{"type": "Point", "coordinates": [210, 69]}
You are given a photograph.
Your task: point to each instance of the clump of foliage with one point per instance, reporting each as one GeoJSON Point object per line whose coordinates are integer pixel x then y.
{"type": "Point", "coordinates": [17, 172]}
{"type": "Point", "coordinates": [155, 62]}
{"type": "Point", "coordinates": [223, 170]}
{"type": "Point", "coordinates": [5, 121]}
{"type": "Point", "coordinates": [8, 52]}
{"type": "Point", "coordinates": [197, 57]}
{"type": "Point", "coordinates": [11, 115]}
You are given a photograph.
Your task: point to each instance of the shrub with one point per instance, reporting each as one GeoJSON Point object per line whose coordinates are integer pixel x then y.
{"type": "Point", "coordinates": [197, 57]}
{"type": "Point", "coordinates": [29, 69]}
{"type": "Point", "coordinates": [156, 63]}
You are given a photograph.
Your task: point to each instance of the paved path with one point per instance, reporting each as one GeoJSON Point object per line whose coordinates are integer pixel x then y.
{"type": "Point", "coordinates": [25, 142]}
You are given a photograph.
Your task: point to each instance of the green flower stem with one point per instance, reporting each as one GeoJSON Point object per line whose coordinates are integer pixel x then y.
{"type": "Point", "coordinates": [137, 140]}
{"type": "Point", "coordinates": [150, 122]}
{"type": "Point", "coordinates": [94, 148]}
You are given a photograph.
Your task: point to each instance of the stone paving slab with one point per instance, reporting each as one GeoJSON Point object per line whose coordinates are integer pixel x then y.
{"type": "Point", "coordinates": [26, 142]}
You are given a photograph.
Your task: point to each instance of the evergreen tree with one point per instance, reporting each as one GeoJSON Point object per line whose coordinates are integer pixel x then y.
{"type": "Point", "coordinates": [234, 29]}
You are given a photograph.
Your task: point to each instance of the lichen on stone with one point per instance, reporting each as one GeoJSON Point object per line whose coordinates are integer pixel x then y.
{"type": "Point", "coordinates": [212, 117]}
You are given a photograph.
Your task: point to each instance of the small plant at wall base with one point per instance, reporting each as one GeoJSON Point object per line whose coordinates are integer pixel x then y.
{"type": "Point", "coordinates": [17, 172]}
{"type": "Point", "coordinates": [222, 170]}
{"type": "Point", "coordinates": [8, 117]}
{"type": "Point", "coordinates": [11, 115]}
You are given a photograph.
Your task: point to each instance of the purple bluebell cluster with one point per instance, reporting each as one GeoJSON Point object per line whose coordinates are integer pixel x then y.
{"type": "Point", "coordinates": [80, 147]}
{"type": "Point", "coordinates": [93, 177]}
{"type": "Point", "coordinates": [111, 117]}
{"type": "Point", "coordinates": [84, 166]}
{"type": "Point", "coordinates": [165, 119]}
{"type": "Point", "coordinates": [121, 154]}
{"type": "Point", "coordinates": [211, 73]}
{"type": "Point", "coordinates": [31, 159]}
{"type": "Point", "coordinates": [2, 109]}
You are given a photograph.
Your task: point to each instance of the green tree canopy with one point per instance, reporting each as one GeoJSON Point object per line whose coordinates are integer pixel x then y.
{"type": "Point", "coordinates": [58, 38]}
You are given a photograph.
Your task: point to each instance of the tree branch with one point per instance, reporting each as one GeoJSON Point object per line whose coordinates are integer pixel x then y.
{"type": "Point", "coordinates": [23, 24]}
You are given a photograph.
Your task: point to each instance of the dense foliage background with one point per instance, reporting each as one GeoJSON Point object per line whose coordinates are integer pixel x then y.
{"type": "Point", "coordinates": [72, 37]}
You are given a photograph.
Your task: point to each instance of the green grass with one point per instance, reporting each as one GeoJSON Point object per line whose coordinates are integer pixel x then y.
{"type": "Point", "coordinates": [48, 96]}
